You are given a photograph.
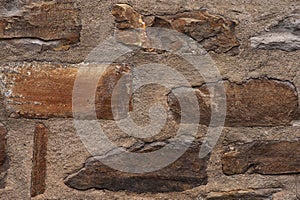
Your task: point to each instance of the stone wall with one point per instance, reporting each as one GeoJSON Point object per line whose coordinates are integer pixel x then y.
{"type": "Point", "coordinates": [59, 73]}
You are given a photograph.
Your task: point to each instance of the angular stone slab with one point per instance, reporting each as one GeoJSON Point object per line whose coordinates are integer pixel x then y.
{"type": "Point", "coordinates": [44, 20]}
{"type": "Point", "coordinates": [41, 90]}
{"type": "Point", "coordinates": [213, 32]}
{"type": "Point", "coordinates": [263, 157]}
{"type": "Point", "coordinates": [186, 173]}
{"type": "Point", "coordinates": [257, 102]}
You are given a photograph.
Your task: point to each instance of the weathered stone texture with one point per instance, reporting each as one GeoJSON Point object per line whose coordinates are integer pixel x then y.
{"type": "Point", "coordinates": [3, 156]}
{"type": "Point", "coordinates": [213, 32]}
{"type": "Point", "coordinates": [39, 160]}
{"type": "Point", "coordinates": [41, 90]}
{"type": "Point", "coordinates": [186, 173]}
{"type": "Point", "coordinates": [284, 36]}
{"type": "Point", "coordinates": [56, 22]}
{"type": "Point", "coordinates": [257, 102]}
{"type": "Point", "coordinates": [263, 157]}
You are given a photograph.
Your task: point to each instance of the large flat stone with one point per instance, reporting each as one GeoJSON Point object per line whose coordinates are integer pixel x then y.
{"type": "Point", "coordinates": [41, 90]}
{"type": "Point", "coordinates": [263, 157]}
{"type": "Point", "coordinates": [187, 172]}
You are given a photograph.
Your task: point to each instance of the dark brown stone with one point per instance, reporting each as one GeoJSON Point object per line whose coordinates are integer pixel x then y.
{"type": "Point", "coordinates": [187, 172]}
{"type": "Point", "coordinates": [41, 90]}
{"type": "Point", "coordinates": [257, 102]}
{"type": "Point", "coordinates": [263, 157]}
{"type": "Point", "coordinates": [213, 32]}
{"type": "Point", "coordinates": [46, 21]}
{"type": "Point", "coordinates": [2, 145]}
{"type": "Point", "coordinates": [3, 156]}
{"type": "Point", "coordinates": [39, 161]}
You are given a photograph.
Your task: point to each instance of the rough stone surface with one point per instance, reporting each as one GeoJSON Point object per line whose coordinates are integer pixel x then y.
{"type": "Point", "coordinates": [186, 173]}
{"type": "Point", "coordinates": [66, 152]}
{"type": "Point", "coordinates": [39, 163]}
{"type": "Point", "coordinates": [284, 36]}
{"type": "Point", "coordinates": [263, 157]}
{"type": "Point", "coordinates": [51, 24]}
{"type": "Point", "coordinates": [257, 102]}
{"type": "Point", "coordinates": [213, 32]}
{"type": "Point", "coordinates": [42, 90]}
{"type": "Point", "coordinates": [3, 156]}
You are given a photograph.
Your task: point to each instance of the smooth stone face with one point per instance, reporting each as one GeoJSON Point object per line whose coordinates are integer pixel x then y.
{"type": "Point", "coordinates": [41, 90]}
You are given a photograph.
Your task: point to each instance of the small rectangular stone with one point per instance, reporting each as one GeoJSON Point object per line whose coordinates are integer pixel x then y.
{"type": "Point", "coordinates": [263, 157]}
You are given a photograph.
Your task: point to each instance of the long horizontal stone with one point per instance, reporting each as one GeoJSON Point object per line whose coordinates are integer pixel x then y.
{"type": "Point", "coordinates": [263, 157]}
{"type": "Point", "coordinates": [188, 172]}
{"type": "Point", "coordinates": [42, 90]}
{"type": "Point", "coordinates": [257, 102]}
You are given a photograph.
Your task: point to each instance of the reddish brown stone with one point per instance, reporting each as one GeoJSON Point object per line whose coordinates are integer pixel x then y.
{"type": "Point", "coordinates": [187, 172]}
{"type": "Point", "coordinates": [39, 161]}
{"type": "Point", "coordinates": [213, 32]}
{"type": "Point", "coordinates": [257, 102]}
{"type": "Point", "coordinates": [263, 157]}
{"type": "Point", "coordinates": [45, 20]}
{"type": "Point", "coordinates": [42, 90]}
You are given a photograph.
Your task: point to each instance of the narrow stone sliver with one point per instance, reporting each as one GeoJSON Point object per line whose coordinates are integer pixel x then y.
{"type": "Point", "coordinates": [39, 160]}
